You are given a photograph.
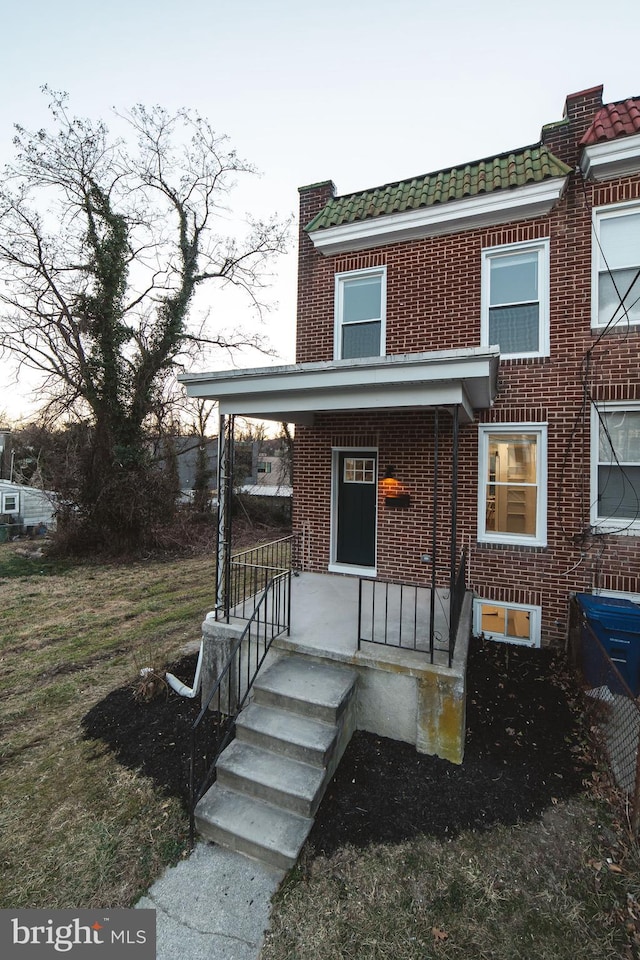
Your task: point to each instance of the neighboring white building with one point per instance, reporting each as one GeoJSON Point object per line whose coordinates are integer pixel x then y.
{"type": "Point", "coordinates": [26, 509]}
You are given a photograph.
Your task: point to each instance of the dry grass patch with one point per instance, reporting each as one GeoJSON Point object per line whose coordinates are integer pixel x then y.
{"type": "Point", "coordinates": [76, 828]}
{"type": "Point", "coordinates": [511, 893]}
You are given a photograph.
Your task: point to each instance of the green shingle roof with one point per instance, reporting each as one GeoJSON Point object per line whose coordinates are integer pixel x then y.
{"type": "Point", "coordinates": [516, 169]}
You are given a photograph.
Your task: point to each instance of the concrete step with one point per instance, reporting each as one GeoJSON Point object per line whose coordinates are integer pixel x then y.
{"type": "Point", "coordinates": [310, 689]}
{"type": "Point", "coordinates": [271, 777]}
{"type": "Point", "coordinates": [301, 738]}
{"type": "Point", "coordinates": [252, 827]}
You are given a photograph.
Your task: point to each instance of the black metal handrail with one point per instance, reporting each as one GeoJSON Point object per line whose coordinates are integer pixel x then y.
{"type": "Point", "coordinates": [392, 614]}
{"type": "Point", "coordinates": [458, 592]}
{"type": "Point", "coordinates": [402, 615]}
{"type": "Point", "coordinates": [251, 571]}
{"type": "Point", "coordinates": [214, 727]}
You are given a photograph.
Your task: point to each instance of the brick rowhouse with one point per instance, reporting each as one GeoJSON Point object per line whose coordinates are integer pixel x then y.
{"type": "Point", "coordinates": [433, 303]}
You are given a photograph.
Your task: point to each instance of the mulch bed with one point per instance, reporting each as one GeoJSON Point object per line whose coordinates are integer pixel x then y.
{"type": "Point", "coordinates": [525, 750]}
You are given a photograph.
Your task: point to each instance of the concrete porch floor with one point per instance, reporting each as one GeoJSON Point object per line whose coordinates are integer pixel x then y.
{"type": "Point", "coordinates": [324, 620]}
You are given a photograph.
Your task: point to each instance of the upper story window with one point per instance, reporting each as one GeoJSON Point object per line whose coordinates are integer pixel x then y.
{"type": "Point", "coordinates": [515, 299]}
{"type": "Point", "coordinates": [512, 499]}
{"type": "Point", "coordinates": [360, 311]}
{"type": "Point", "coordinates": [615, 466]}
{"type": "Point", "coordinates": [616, 266]}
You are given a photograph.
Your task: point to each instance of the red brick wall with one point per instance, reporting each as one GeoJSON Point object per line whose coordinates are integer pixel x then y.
{"type": "Point", "coordinates": [433, 302]}
{"type": "Point", "coordinates": [315, 279]}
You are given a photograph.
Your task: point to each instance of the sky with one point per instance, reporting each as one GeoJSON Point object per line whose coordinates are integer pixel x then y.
{"type": "Point", "coordinates": [343, 90]}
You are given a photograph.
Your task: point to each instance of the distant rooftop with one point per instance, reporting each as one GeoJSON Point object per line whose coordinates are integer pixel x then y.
{"type": "Point", "coordinates": [614, 120]}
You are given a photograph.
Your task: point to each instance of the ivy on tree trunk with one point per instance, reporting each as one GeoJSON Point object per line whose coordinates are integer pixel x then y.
{"type": "Point", "coordinates": [105, 243]}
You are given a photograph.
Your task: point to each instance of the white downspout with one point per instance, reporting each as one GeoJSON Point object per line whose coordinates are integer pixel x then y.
{"type": "Point", "coordinates": [181, 688]}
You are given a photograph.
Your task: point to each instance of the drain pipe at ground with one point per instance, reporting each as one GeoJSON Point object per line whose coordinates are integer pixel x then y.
{"type": "Point", "coordinates": [181, 688]}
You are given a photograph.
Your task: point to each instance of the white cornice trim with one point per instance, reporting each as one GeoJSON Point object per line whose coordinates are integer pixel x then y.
{"type": "Point", "coordinates": [614, 158]}
{"type": "Point", "coordinates": [487, 209]}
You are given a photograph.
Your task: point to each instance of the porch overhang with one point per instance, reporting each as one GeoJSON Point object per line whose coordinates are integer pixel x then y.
{"type": "Point", "coordinates": [466, 379]}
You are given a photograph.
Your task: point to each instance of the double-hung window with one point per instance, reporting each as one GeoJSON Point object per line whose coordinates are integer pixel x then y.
{"type": "Point", "coordinates": [512, 504]}
{"type": "Point", "coordinates": [9, 503]}
{"type": "Point", "coordinates": [615, 456]}
{"type": "Point", "coordinates": [515, 299]}
{"type": "Point", "coordinates": [616, 266]}
{"type": "Point", "coordinates": [360, 308]}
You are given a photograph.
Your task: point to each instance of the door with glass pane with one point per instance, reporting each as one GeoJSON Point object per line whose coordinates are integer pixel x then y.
{"type": "Point", "coordinates": [356, 508]}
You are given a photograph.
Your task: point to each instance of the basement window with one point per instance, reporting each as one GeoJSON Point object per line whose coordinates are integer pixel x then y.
{"type": "Point", "coordinates": [507, 622]}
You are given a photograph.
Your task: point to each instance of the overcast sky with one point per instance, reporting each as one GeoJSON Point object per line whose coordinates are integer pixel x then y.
{"type": "Point", "coordinates": [359, 93]}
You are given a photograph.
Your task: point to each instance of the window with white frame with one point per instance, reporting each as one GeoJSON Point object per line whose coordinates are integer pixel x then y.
{"type": "Point", "coordinates": [9, 503]}
{"type": "Point", "coordinates": [515, 299]}
{"type": "Point", "coordinates": [510, 622]}
{"type": "Point", "coordinates": [615, 455]}
{"type": "Point", "coordinates": [512, 506]}
{"type": "Point", "coordinates": [616, 266]}
{"type": "Point", "coordinates": [360, 309]}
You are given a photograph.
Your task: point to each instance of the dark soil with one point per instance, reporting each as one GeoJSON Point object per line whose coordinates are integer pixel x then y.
{"type": "Point", "coordinates": [524, 751]}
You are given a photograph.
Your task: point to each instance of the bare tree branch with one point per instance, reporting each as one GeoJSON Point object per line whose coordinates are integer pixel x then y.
{"type": "Point", "coordinates": [104, 244]}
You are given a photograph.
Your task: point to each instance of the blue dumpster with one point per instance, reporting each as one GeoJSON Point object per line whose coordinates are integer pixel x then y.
{"type": "Point", "coordinates": [616, 623]}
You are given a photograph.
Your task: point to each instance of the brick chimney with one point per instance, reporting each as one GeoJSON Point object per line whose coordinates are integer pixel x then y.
{"type": "Point", "coordinates": [563, 137]}
{"type": "Point", "coordinates": [311, 265]}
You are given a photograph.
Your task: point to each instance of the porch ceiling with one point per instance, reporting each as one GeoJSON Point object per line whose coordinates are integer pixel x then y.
{"type": "Point", "coordinates": [466, 378]}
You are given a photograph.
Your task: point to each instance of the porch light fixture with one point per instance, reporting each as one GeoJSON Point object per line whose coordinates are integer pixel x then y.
{"type": "Point", "coordinates": [394, 499]}
{"type": "Point", "coordinates": [389, 480]}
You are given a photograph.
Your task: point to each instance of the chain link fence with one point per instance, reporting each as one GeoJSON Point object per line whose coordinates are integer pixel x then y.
{"type": "Point", "coordinates": [612, 704]}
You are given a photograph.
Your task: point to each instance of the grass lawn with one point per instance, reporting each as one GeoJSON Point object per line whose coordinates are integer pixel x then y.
{"type": "Point", "coordinates": [558, 888]}
{"type": "Point", "coordinates": [76, 828]}
{"type": "Point", "coordinates": [79, 829]}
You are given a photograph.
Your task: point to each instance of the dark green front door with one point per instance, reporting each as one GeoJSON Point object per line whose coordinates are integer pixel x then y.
{"type": "Point", "coordinates": [356, 526]}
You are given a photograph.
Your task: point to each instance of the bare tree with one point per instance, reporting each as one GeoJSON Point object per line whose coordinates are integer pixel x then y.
{"type": "Point", "coordinates": [286, 435]}
{"type": "Point", "coordinates": [104, 243]}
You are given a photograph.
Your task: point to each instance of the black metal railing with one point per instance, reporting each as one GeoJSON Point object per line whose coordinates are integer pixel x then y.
{"type": "Point", "coordinates": [404, 615]}
{"type": "Point", "coordinates": [251, 571]}
{"type": "Point", "coordinates": [458, 592]}
{"type": "Point", "coordinates": [393, 614]}
{"type": "Point", "coordinates": [214, 727]}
